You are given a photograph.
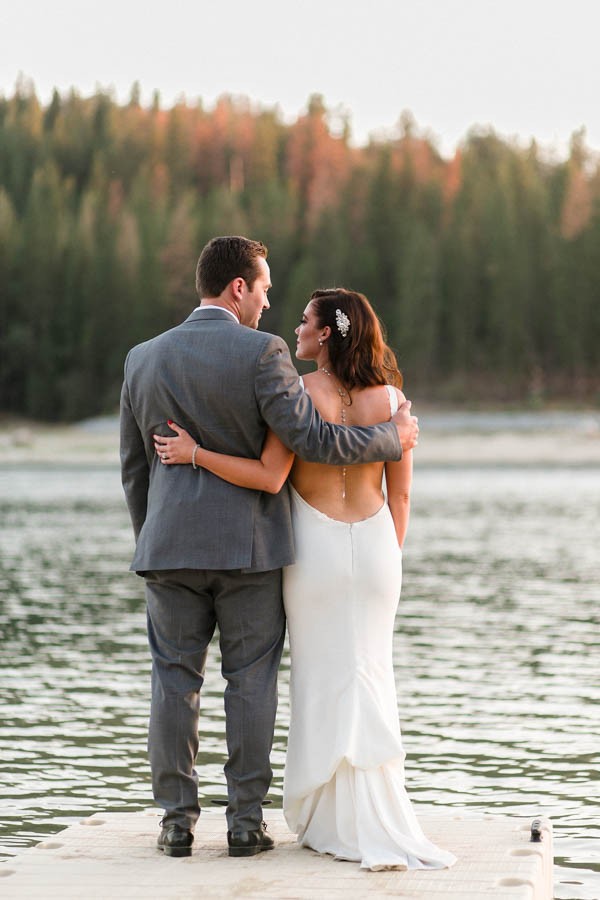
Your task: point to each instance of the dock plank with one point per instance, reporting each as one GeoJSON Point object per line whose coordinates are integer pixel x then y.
{"type": "Point", "coordinates": [113, 855]}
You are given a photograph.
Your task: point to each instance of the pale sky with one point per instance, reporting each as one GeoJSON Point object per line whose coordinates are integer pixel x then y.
{"type": "Point", "coordinates": [528, 68]}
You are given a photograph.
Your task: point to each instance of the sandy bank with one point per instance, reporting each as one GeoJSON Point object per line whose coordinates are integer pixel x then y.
{"type": "Point", "coordinates": [456, 437]}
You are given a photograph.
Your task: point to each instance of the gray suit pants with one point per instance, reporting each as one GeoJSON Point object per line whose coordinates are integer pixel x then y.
{"type": "Point", "coordinates": [184, 606]}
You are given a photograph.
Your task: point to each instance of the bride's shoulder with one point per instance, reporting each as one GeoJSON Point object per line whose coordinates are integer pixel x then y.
{"type": "Point", "coordinates": [311, 378]}
{"type": "Point", "coordinates": [396, 398]}
{"type": "Point", "coordinates": [380, 390]}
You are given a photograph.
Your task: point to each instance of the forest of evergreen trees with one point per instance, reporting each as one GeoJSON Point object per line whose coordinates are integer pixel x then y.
{"type": "Point", "coordinates": [485, 268]}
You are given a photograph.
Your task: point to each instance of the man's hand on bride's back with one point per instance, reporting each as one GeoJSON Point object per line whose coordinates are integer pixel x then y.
{"type": "Point", "coordinates": [407, 425]}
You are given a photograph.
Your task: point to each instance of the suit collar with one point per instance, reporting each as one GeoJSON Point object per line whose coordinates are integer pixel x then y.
{"type": "Point", "coordinates": [211, 312]}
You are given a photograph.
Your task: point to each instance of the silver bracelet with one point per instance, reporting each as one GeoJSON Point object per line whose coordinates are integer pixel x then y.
{"type": "Point", "coordinates": [197, 447]}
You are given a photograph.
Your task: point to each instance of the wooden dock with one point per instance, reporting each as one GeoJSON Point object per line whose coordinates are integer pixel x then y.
{"type": "Point", "coordinates": [113, 856]}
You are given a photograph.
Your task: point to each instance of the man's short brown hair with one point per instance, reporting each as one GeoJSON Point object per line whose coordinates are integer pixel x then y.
{"type": "Point", "coordinates": [226, 258]}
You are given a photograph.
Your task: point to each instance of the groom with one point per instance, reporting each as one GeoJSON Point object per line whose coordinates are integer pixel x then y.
{"type": "Point", "coordinates": [211, 553]}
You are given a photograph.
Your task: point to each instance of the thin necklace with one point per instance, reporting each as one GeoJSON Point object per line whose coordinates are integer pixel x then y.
{"type": "Point", "coordinates": [345, 401]}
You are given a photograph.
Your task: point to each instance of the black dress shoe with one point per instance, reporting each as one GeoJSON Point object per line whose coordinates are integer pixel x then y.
{"type": "Point", "coordinates": [249, 843]}
{"type": "Point", "coordinates": [175, 841]}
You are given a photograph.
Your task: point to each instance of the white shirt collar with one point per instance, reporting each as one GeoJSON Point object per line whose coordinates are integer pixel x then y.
{"type": "Point", "coordinates": [222, 308]}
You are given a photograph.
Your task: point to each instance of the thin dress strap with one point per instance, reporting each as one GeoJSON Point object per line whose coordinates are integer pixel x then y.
{"type": "Point", "coordinates": [393, 399]}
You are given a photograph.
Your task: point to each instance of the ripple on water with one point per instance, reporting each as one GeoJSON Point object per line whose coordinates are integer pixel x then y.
{"type": "Point", "coordinates": [496, 653]}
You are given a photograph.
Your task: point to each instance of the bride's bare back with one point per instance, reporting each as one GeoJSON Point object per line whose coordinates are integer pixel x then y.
{"type": "Point", "coordinates": [323, 486]}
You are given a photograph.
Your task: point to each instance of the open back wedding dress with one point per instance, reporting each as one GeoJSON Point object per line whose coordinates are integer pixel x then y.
{"type": "Point", "coordinates": [344, 788]}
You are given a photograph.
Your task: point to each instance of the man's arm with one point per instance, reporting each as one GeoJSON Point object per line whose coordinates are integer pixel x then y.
{"type": "Point", "coordinates": [290, 413]}
{"type": "Point", "coordinates": [135, 472]}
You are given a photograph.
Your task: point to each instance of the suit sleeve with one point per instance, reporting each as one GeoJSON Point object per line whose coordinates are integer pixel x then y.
{"type": "Point", "coordinates": [135, 472]}
{"type": "Point", "coordinates": [290, 413]}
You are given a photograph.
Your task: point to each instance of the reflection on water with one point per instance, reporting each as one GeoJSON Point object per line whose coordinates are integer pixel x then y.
{"type": "Point", "coordinates": [496, 655]}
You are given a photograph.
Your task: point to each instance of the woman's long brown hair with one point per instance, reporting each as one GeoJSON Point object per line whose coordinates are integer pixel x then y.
{"type": "Point", "coordinates": [361, 358]}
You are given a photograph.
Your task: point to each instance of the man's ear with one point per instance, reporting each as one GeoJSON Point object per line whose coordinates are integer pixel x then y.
{"type": "Point", "coordinates": [237, 288]}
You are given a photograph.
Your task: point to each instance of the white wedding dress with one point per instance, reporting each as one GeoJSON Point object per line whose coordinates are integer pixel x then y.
{"type": "Point", "coordinates": [344, 788]}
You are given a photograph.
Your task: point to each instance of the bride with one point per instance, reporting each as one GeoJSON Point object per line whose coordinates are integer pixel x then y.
{"type": "Point", "coordinates": [344, 788]}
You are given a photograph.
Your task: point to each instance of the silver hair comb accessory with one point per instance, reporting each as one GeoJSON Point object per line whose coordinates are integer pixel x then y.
{"type": "Point", "coordinates": [343, 322]}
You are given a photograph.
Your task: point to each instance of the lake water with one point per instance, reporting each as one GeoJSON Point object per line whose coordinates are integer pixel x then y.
{"type": "Point", "coordinates": [496, 651]}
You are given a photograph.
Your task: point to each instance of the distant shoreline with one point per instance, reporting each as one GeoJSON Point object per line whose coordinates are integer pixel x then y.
{"type": "Point", "coordinates": [454, 437]}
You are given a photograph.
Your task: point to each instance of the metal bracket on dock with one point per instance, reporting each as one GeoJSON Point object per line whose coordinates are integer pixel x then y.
{"type": "Point", "coordinates": [537, 829]}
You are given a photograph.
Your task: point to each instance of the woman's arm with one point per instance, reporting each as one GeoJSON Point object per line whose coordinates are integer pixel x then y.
{"type": "Point", "coordinates": [398, 478]}
{"type": "Point", "coordinates": [265, 474]}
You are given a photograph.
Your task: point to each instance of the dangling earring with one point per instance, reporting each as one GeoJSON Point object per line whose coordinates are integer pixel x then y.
{"type": "Point", "coordinates": [320, 342]}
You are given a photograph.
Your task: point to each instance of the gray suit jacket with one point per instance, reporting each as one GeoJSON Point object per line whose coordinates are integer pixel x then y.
{"type": "Point", "coordinates": [226, 384]}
